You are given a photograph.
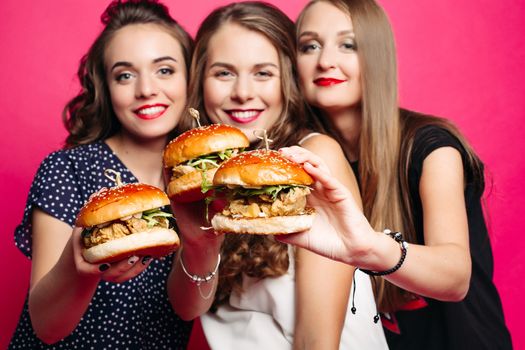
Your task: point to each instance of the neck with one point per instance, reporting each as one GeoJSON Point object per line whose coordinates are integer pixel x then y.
{"type": "Point", "coordinates": [142, 157]}
{"type": "Point", "coordinates": [347, 122]}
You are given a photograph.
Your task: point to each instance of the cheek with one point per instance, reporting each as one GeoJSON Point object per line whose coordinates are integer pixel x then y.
{"type": "Point", "coordinates": [305, 68]}
{"type": "Point", "coordinates": [177, 89]}
{"type": "Point", "coordinates": [214, 93]}
{"type": "Point", "coordinates": [272, 92]}
{"type": "Point", "coordinates": [121, 96]}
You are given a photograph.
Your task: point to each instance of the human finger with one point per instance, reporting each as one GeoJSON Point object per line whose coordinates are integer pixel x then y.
{"type": "Point", "coordinates": [82, 266]}
{"type": "Point", "coordinates": [299, 239]}
{"type": "Point", "coordinates": [137, 267]}
{"type": "Point", "coordinates": [301, 155]}
{"type": "Point", "coordinates": [116, 269]}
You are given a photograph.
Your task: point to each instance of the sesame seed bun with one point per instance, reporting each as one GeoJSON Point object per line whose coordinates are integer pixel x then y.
{"type": "Point", "coordinates": [110, 204]}
{"type": "Point", "coordinates": [275, 225]}
{"type": "Point", "coordinates": [156, 242]}
{"type": "Point", "coordinates": [261, 168]}
{"type": "Point", "coordinates": [201, 141]}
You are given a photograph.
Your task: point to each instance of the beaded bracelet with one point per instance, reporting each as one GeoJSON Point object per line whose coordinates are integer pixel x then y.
{"type": "Point", "coordinates": [198, 280]}
{"type": "Point", "coordinates": [398, 237]}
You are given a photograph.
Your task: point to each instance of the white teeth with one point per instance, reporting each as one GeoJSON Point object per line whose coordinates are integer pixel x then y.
{"type": "Point", "coordinates": [244, 114]}
{"type": "Point", "coordinates": [152, 110]}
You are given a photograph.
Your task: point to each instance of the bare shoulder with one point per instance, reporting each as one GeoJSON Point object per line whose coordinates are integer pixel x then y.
{"type": "Point", "coordinates": [321, 144]}
{"type": "Point", "coordinates": [332, 154]}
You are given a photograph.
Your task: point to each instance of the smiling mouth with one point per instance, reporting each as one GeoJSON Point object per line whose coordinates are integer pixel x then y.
{"type": "Point", "coordinates": [328, 81]}
{"type": "Point", "coordinates": [243, 116]}
{"type": "Point", "coordinates": [150, 112]}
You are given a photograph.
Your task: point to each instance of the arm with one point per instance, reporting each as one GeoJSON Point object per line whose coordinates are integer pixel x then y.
{"type": "Point", "coordinates": [62, 282]}
{"type": "Point", "coordinates": [440, 269]}
{"type": "Point", "coordinates": [323, 285]}
{"type": "Point", "coordinates": [199, 252]}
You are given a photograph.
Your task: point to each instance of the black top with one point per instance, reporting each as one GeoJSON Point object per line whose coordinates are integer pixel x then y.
{"type": "Point", "coordinates": [477, 322]}
{"type": "Point", "coordinates": [131, 315]}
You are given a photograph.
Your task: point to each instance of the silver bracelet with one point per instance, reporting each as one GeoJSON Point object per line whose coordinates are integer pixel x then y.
{"type": "Point", "coordinates": [200, 279]}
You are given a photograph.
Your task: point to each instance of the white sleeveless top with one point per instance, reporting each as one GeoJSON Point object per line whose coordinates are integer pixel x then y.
{"type": "Point", "coordinates": [263, 316]}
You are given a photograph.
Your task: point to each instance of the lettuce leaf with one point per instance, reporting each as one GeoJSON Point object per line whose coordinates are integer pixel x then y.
{"type": "Point", "coordinates": [150, 215]}
{"type": "Point", "coordinates": [272, 191]}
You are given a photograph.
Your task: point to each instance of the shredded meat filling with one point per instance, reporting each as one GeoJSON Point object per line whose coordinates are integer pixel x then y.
{"type": "Point", "coordinates": [292, 202]}
{"type": "Point", "coordinates": [119, 229]}
{"type": "Point", "coordinates": [181, 170]}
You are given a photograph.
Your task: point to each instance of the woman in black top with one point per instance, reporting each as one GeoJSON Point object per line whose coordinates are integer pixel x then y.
{"type": "Point", "coordinates": [417, 175]}
{"type": "Point", "coordinates": [134, 84]}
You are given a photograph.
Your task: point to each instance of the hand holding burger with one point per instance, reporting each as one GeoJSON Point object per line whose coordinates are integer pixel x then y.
{"type": "Point", "coordinates": [126, 220]}
{"type": "Point", "coordinates": [341, 231]}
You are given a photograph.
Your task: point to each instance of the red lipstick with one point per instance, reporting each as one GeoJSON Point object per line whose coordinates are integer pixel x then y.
{"type": "Point", "coordinates": [327, 81]}
{"type": "Point", "coordinates": [149, 112]}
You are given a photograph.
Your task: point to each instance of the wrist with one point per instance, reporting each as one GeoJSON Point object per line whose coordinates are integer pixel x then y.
{"type": "Point", "coordinates": [391, 261]}
{"type": "Point", "coordinates": [199, 260]}
{"type": "Point", "coordinates": [385, 253]}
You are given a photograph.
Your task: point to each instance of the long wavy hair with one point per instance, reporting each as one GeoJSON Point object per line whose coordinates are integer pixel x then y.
{"type": "Point", "coordinates": [89, 116]}
{"type": "Point", "coordinates": [254, 256]}
{"type": "Point", "coordinates": [387, 133]}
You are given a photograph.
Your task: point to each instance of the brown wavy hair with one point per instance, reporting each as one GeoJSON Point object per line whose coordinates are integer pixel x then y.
{"type": "Point", "coordinates": [89, 116]}
{"type": "Point", "coordinates": [387, 133]}
{"type": "Point", "coordinates": [254, 256]}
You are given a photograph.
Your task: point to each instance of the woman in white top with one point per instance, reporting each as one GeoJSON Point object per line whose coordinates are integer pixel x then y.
{"type": "Point", "coordinates": [267, 295]}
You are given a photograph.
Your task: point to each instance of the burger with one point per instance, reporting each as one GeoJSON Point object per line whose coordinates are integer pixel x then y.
{"type": "Point", "coordinates": [194, 156]}
{"type": "Point", "coordinates": [266, 194]}
{"type": "Point", "coordinates": [126, 220]}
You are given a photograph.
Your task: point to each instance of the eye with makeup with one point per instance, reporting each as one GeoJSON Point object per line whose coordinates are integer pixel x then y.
{"type": "Point", "coordinates": [348, 45]}
{"type": "Point", "coordinates": [222, 74]}
{"type": "Point", "coordinates": [309, 46]}
{"type": "Point", "coordinates": [123, 77]}
{"type": "Point", "coordinates": [264, 74]}
{"type": "Point", "coordinates": [166, 71]}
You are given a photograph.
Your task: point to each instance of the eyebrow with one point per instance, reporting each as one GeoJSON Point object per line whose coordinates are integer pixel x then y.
{"type": "Point", "coordinates": [129, 64]}
{"type": "Point", "coordinates": [316, 35]}
{"type": "Point", "coordinates": [231, 66]}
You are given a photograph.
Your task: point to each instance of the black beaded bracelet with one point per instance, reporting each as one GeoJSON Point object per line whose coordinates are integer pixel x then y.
{"type": "Point", "coordinates": [398, 237]}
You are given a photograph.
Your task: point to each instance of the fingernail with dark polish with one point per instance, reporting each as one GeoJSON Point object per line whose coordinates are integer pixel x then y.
{"type": "Point", "coordinates": [103, 267]}
{"type": "Point", "coordinates": [145, 260]}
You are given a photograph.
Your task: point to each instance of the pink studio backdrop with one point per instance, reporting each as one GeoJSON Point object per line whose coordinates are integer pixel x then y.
{"type": "Point", "coordinates": [463, 60]}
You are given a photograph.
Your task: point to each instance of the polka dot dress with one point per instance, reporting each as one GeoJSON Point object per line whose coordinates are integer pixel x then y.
{"type": "Point", "coordinates": [131, 315]}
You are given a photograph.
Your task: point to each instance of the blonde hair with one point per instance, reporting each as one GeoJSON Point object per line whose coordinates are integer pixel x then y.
{"type": "Point", "coordinates": [387, 133]}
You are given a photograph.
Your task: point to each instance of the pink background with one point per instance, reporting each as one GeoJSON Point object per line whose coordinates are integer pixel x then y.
{"type": "Point", "coordinates": [463, 60]}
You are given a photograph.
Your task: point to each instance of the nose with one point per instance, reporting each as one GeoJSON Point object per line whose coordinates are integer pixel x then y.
{"type": "Point", "coordinates": [327, 59]}
{"type": "Point", "coordinates": [243, 89]}
{"type": "Point", "coordinates": [146, 87]}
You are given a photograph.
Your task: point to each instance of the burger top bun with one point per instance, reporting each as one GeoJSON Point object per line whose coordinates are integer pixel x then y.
{"type": "Point", "coordinates": [203, 140]}
{"type": "Point", "coordinates": [261, 168]}
{"type": "Point", "coordinates": [114, 203]}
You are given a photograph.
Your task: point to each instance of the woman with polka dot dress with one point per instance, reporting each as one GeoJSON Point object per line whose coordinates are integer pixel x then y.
{"type": "Point", "coordinates": [134, 84]}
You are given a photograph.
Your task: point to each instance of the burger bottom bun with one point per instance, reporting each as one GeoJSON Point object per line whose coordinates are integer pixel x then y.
{"type": "Point", "coordinates": [275, 225]}
{"type": "Point", "coordinates": [187, 188]}
{"type": "Point", "coordinates": [156, 242]}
